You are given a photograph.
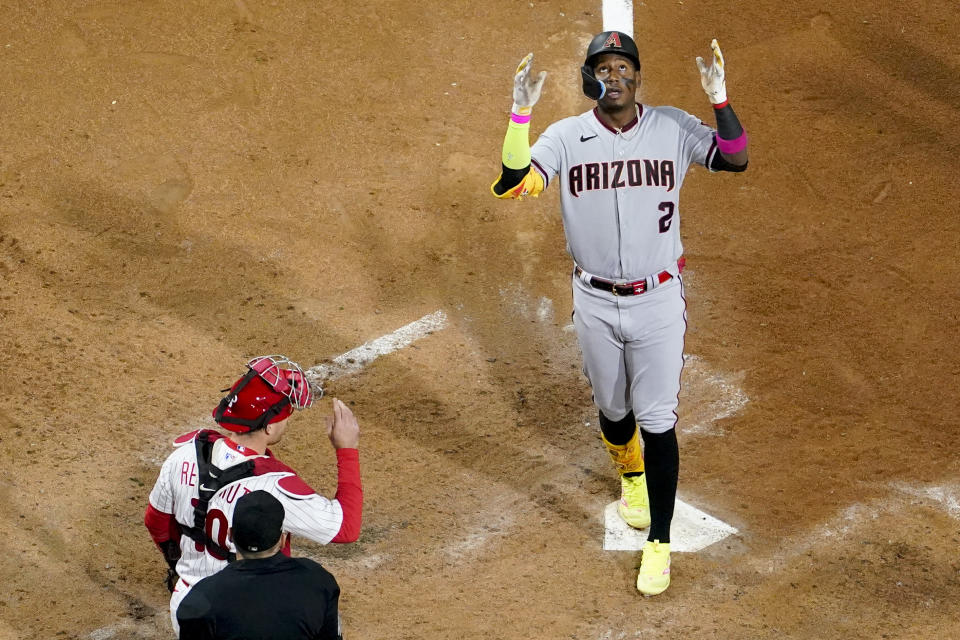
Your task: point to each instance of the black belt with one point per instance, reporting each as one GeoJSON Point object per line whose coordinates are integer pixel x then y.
{"type": "Point", "coordinates": [634, 288]}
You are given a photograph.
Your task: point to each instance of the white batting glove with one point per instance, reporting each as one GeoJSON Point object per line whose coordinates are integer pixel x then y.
{"type": "Point", "coordinates": [712, 77]}
{"type": "Point", "coordinates": [526, 90]}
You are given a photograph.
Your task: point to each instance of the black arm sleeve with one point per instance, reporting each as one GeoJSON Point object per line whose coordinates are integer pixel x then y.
{"type": "Point", "coordinates": [728, 128]}
{"type": "Point", "coordinates": [728, 125]}
{"type": "Point", "coordinates": [509, 178]}
{"type": "Point", "coordinates": [718, 163]}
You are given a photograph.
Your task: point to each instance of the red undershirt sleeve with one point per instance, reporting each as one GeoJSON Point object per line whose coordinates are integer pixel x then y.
{"type": "Point", "coordinates": [349, 495]}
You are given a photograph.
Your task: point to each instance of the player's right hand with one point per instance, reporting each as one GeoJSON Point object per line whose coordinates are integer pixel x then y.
{"type": "Point", "coordinates": [526, 90]}
{"type": "Point", "coordinates": [342, 427]}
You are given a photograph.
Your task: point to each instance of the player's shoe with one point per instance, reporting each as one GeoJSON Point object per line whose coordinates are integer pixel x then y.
{"type": "Point", "coordinates": [654, 576]}
{"type": "Point", "coordinates": [634, 505]}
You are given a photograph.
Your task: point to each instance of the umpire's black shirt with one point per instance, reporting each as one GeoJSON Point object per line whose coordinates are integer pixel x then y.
{"type": "Point", "coordinates": [276, 598]}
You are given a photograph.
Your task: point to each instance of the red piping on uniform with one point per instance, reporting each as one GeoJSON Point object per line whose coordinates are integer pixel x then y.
{"type": "Point", "coordinates": [713, 148]}
{"type": "Point", "coordinates": [626, 127]}
{"type": "Point", "coordinates": [676, 417]}
{"type": "Point", "coordinates": [349, 495]}
{"type": "Point", "coordinates": [543, 174]}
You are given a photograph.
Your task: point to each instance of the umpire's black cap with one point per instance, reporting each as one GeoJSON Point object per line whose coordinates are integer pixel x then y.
{"type": "Point", "coordinates": [257, 521]}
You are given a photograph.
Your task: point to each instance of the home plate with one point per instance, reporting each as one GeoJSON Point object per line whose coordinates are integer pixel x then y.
{"type": "Point", "coordinates": [691, 530]}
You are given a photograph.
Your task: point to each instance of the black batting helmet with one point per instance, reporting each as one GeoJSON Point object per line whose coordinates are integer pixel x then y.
{"type": "Point", "coordinates": [607, 42]}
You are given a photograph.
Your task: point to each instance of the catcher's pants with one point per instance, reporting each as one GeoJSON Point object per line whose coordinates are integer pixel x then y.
{"type": "Point", "coordinates": [632, 349]}
{"type": "Point", "coordinates": [180, 592]}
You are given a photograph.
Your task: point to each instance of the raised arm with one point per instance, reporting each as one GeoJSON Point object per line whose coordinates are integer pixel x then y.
{"type": "Point", "coordinates": [344, 433]}
{"type": "Point", "coordinates": [731, 137]}
{"type": "Point", "coordinates": [517, 178]}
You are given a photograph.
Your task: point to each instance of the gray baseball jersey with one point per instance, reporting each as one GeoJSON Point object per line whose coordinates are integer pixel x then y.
{"type": "Point", "coordinates": [620, 190]}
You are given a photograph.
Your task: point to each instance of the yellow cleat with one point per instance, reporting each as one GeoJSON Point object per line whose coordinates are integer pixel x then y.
{"type": "Point", "coordinates": [654, 576]}
{"type": "Point", "coordinates": [634, 505]}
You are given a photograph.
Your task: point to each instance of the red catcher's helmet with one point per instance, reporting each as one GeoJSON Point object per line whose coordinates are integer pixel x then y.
{"type": "Point", "coordinates": [269, 392]}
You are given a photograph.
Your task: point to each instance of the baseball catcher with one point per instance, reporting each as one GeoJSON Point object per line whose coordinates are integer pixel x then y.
{"type": "Point", "coordinates": [621, 165]}
{"type": "Point", "coordinates": [192, 502]}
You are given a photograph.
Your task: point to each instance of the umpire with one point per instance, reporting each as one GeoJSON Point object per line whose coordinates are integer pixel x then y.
{"type": "Point", "coordinates": [264, 595]}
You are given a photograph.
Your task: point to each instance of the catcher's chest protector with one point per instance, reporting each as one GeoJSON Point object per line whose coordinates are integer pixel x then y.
{"type": "Point", "coordinates": [210, 480]}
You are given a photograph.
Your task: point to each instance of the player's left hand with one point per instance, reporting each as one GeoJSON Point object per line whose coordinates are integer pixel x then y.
{"type": "Point", "coordinates": [712, 77]}
{"type": "Point", "coordinates": [526, 90]}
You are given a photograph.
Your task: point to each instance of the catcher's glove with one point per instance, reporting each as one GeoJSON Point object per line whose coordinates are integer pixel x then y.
{"type": "Point", "coordinates": [172, 578]}
{"type": "Point", "coordinates": [171, 553]}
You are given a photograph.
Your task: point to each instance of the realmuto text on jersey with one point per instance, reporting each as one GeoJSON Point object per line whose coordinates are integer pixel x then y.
{"type": "Point", "coordinates": [616, 174]}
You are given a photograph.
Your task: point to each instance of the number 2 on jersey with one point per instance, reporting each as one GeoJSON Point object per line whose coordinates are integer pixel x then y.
{"type": "Point", "coordinates": [666, 219]}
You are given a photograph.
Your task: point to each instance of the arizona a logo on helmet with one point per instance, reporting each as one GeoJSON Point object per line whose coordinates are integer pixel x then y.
{"type": "Point", "coordinates": [613, 40]}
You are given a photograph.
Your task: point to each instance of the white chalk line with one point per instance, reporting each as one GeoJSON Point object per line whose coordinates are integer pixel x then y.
{"type": "Point", "coordinates": [618, 16]}
{"type": "Point", "coordinates": [133, 629]}
{"type": "Point", "coordinates": [731, 400]}
{"type": "Point", "coordinates": [945, 496]}
{"type": "Point", "coordinates": [516, 295]}
{"type": "Point", "coordinates": [854, 516]}
{"type": "Point", "coordinates": [356, 359]}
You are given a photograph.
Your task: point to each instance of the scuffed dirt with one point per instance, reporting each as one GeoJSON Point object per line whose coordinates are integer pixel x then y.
{"type": "Point", "coordinates": [185, 185]}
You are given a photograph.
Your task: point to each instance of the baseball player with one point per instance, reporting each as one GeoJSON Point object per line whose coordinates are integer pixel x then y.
{"type": "Point", "coordinates": [192, 501]}
{"type": "Point", "coordinates": [265, 595]}
{"type": "Point", "coordinates": [620, 166]}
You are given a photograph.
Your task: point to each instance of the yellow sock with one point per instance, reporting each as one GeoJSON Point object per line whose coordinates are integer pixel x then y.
{"type": "Point", "coordinates": [627, 458]}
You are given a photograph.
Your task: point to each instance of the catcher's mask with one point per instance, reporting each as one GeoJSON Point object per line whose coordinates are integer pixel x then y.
{"type": "Point", "coordinates": [269, 392]}
{"type": "Point", "coordinates": [607, 42]}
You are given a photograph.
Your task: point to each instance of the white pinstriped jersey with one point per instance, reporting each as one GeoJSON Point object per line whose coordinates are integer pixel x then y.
{"type": "Point", "coordinates": [308, 514]}
{"type": "Point", "coordinates": [621, 190]}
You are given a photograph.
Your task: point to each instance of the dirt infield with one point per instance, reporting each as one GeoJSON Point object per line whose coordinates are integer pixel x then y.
{"type": "Point", "coordinates": [187, 184]}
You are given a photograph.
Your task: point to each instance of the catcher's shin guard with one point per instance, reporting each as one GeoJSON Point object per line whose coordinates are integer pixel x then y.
{"type": "Point", "coordinates": [627, 458]}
